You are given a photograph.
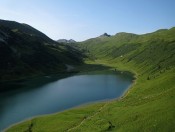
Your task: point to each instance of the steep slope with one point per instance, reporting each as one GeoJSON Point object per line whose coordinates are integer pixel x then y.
{"type": "Point", "coordinates": [25, 51]}
{"type": "Point", "coordinates": [153, 50]}
{"type": "Point", "coordinates": [147, 106]}
{"type": "Point", "coordinates": [25, 29]}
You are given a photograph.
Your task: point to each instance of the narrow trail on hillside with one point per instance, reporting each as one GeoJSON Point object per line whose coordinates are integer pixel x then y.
{"type": "Point", "coordinates": [85, 119]}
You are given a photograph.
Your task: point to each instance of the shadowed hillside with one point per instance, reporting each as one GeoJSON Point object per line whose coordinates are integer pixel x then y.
{"type": "Point", "coordinates": [25, 51]}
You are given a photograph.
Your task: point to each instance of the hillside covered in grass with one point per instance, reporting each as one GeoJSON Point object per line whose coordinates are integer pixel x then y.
{"type": "Point", "coordinates": [25, 51]}
{"type": "Point", "coordinates": [147, 106]}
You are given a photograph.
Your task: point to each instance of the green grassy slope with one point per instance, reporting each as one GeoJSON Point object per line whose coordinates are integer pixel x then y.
{"type": "Point", "coordinates": [24, 28]}
{"type": "Point", "coordinates": [147, 106]}
{"type": "Point", "coordinates": [25, 51]}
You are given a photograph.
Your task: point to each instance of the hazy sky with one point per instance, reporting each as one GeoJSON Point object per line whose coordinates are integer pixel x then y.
{"type": "Point", "coordinates": [83, 19]}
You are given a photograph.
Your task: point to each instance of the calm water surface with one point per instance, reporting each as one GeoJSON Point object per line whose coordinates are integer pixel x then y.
{"type": "Point", "coordinates": [58, 95]}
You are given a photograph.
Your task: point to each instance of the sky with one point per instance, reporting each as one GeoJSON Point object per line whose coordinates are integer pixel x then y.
{"type": "Point", "coordinates": [84, 19]}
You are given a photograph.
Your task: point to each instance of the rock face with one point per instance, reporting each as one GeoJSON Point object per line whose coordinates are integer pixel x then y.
{"type": "Point", "coordinates": [105, 35]}
{"type": "Point", "coordinates": [66, 41]}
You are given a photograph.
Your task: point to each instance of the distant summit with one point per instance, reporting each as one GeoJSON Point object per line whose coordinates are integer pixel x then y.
{"type": "Point", "coordinates": [105, 35]}
{"type": "Point", "coordinates": [66, 41]}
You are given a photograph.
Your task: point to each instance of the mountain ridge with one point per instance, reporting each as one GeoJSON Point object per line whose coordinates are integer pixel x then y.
{"type": "Point", "coordinates": [24, 28]}
{"type": "Point", "coordinates": [27, 51]}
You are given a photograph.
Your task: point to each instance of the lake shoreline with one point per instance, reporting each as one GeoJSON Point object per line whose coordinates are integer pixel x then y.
{"type": "Point", "coordinates": [86, 104]}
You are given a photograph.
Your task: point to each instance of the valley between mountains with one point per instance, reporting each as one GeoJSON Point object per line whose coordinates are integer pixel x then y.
{"type": "Point", "coordinates": [148, 105]}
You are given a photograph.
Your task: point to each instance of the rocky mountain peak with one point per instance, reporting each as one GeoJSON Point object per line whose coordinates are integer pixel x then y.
{"type": "Point", "coordinates": [105, 35]}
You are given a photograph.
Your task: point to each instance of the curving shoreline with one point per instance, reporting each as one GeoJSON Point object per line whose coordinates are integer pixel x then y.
{"type": "Point", "coordinates": [66, 110]}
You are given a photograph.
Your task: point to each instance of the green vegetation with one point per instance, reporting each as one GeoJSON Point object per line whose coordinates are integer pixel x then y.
{"type": "Point", "coordinates": [26, 52]}
{"type": "Point", "coordinates": [147, 106]}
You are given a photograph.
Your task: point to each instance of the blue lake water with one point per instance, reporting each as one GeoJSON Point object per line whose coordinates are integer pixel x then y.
{"type": "Point", "coordinates": [58, 95]}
